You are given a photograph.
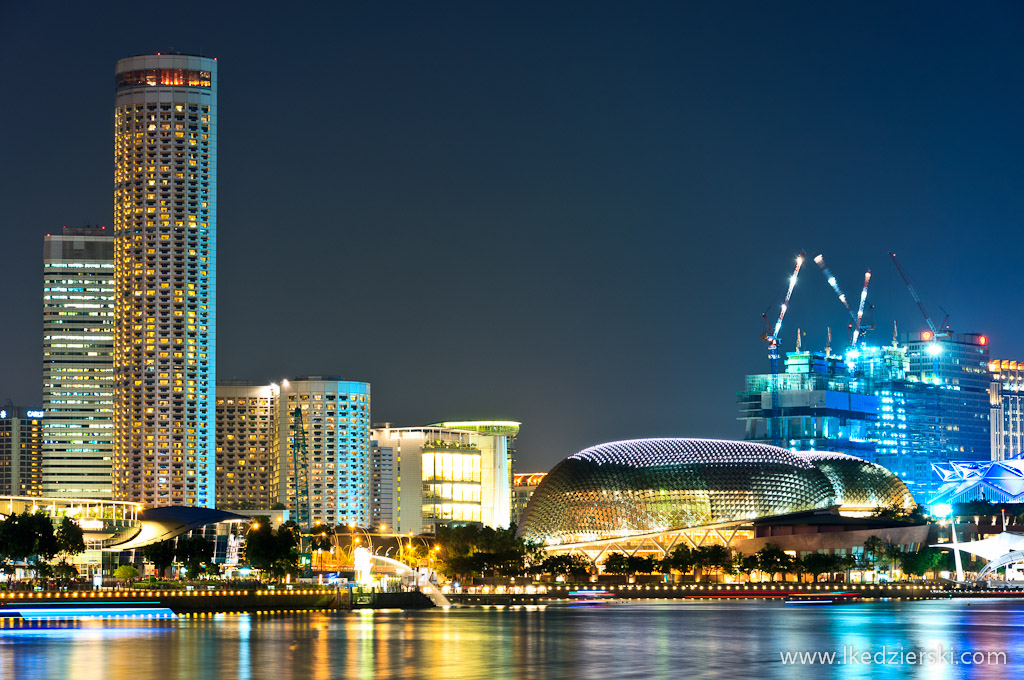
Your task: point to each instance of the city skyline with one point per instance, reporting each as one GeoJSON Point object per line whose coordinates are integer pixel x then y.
{"type": "Point", "coordinates": [618, 219]}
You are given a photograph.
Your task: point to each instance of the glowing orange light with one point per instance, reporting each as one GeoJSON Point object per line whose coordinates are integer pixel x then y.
{"type": "Point", "coordinates": [927, 335]}
{"type": "Point", "coordinates": [983, 340]}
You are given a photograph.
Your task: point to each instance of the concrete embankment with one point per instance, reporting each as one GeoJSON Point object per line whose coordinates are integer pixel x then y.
{"type": "Point", "coordinates": [216, 601]}
{"type": "Point", "coordinates": [765, 591]}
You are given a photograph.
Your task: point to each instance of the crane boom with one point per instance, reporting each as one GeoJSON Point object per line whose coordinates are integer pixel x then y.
{"type": "Point", "coordinates": [789, 294]}
{"type": "Point", "coordinates": [860, 308]}
{"type": "Point", "coordinates": [300, 475]}
{"type": "Point", "coordinates": [820, 261]}
{"type": "Point", "coordinates": [913, 293]}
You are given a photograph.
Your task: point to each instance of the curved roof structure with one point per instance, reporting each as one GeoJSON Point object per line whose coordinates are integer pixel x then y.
{"type": "Point", "coordinates": [1000, 481]}
{"type": "Point", "coordinates": [647, 485]}
{"type": "Point", "coordinates": [160, 524]}
{"type": "Point", "coordinates": [860, 485]}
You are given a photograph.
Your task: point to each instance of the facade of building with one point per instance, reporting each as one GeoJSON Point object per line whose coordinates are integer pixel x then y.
{"type": "Point", "coordinates": [21, 444]}
{"type": "Point", "coordinates": [448, 476]}
{"type": "Point", "coordinates": [816, 405]}
{"type": "Point", "coordinates": [165, 234]}
{"type": "Point", "coordinates": [78, 363]}
{"type": "Point", "coordinates": [903, 406]}
{"type": "Point", "coordinates": [247, 446]}
{"type": "Point", "coordinates": [1006, 401]}
{"type": "Point", "coordinates": [324, 445]}
{"type": "Point", "coordinates": [383, 489]}
{"type": "Point", "coordinates": [523, 486]}
{"type": "Point", "coordinates": [957, 364]}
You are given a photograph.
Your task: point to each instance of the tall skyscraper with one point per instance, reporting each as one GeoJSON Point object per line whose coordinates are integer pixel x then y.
{"type": "Point", "coordinates": [78, 363]}
{"type": "Point", "coordinates": [165, 229]}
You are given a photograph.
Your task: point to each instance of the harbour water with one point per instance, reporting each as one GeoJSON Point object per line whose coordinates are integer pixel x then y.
{"type": "Point", "coordinates": [636, 639]}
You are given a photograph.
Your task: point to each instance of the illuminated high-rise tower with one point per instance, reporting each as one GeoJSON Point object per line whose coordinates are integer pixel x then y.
{"type": "Point", "coordinates": [165, 229]}
{"type": "Point", "coordinates": [78, 362]}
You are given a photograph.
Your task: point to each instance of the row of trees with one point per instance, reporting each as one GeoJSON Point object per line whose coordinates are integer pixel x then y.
{"type": "Point", "coordinates": [772, 561]}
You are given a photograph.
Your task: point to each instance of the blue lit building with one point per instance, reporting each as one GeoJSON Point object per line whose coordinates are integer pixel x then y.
{"type": "Point", "coordinates": [957, 364]}
{"type": "Point", "coordinates": [816, 405]}
{"type": "Point", "coordinates": [884, 404]}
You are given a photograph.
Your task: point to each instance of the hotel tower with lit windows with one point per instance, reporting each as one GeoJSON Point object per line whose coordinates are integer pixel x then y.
{"type": "Point", "coordinates": [165, 228]}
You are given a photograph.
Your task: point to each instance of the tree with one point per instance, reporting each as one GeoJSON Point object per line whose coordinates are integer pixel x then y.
{"type": "Point", "coordinates": [126, 572]}
{"type": "Point", "coordinates": [771, 559]}
{"type": "Point", "coordinates": [817, 563]}
{"type": "Point", "coordinates": [924, 560]}
{"type": "Point", "coordinates": [874, 549]}
{"type": "Point", "coordinates": [616, 563]}
{"type": "Point", "coordinates": [160, 554]}
{"type": "Point", "coordinates": [711, 558]}
{"type": "Point", "coordinates": [196, 553]}
{"type": "Point", "coordinates": [271, 551]}
{"type": "Point", "coordinates": [893, 552]}
{"type": "Point", "coordinates": [26, 536]}
{"type": "Point", "coordinates": [680, 559]}
{"type": "Point", "coordinates": [643, 565]}
{"type": "Point", "coordinates": [576, 567]}
{"type": "Point", "coordinates": [745, 564]}
{"type": "Point", "coordinates": [70, 541]}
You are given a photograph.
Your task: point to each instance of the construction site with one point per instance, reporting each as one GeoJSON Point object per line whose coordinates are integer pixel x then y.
{"type": "Point", "coordinates": [909, 402]}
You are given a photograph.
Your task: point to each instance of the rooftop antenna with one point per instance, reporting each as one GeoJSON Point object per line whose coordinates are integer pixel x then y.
{"type": "Point", "coordinates": [798, 334]}
{"type": "Point", "coordinates": [828, 341]}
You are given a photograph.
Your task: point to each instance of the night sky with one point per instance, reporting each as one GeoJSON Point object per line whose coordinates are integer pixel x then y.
{"type": "Point", "coordinates": [569, 214]}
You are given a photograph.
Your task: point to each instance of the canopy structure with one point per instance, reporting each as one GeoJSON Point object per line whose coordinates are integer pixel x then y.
{"type": "Point", "coordinates": [160, 524]}
{"type": "Point", "coordinates": [1000, 550]}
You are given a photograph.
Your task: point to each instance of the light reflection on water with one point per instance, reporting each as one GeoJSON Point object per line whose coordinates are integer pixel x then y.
{"type": "Point", "coordinates": [647, 639]}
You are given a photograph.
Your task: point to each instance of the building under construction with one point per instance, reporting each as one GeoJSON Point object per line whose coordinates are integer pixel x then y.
{"type": "Point", "coordinates": [923, 399]}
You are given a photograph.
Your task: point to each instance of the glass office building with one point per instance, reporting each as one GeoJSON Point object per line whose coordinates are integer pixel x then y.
{"type": "Point", "coordinates": [78, 363]}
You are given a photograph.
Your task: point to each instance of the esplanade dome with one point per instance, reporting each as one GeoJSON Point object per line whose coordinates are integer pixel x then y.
{"type": "Point", "coordinates": [640, 486]}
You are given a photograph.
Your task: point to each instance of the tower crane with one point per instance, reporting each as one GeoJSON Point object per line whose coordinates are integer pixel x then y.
{"type": "Point", "coordinates": [917, 298]}
{"type": "Point", "coordinates": [858, 316]}
{"type": "Point", "coordinates": [772, 338]}
{"type": "Point", "coordinates": [300, 474]}
{"type": "Point", "coordinates": [820, 261]}
{"type": "Point", "coordinates": [857, 328]}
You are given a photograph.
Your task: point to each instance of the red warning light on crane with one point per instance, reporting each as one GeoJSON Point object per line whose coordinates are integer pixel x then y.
{"type": "Point", "coordinates": [928, 335]}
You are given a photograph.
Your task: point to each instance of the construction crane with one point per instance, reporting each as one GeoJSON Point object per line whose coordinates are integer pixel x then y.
{"type": "Point", "coordinates": [820, 261]}
{"type": "Point", "coordinates": [300, 474]}
{"type": "Point", "coordinates": [772, 338]}
{"type": "Point", "coordinates": [858, 316]}
{"type": "Point", "coordinates": [917, 298]}
{"type": "Point", "coordinates": [857, 327]}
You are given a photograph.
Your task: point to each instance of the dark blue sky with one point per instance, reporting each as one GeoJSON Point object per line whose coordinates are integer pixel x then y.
{"type": "Point", "coordinates": [569, 214]}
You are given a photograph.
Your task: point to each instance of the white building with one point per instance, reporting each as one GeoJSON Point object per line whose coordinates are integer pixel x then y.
{"type": "Point", "coordinates": [446, 475]}
{"type": "Point", "coordinates": [78, 363]}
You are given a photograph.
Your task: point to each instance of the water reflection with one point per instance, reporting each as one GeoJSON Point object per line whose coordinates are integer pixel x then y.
{"type": "Point", "coordinates": [648, 639]}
